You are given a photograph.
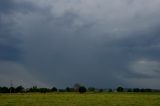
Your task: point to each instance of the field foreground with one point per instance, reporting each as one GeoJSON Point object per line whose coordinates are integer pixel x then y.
{"type": "Point", "coordinates": [75, 99]}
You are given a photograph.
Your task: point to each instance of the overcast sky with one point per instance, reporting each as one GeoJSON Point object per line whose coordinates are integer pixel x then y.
{"type": "Point", "coordinates": [100, 43]}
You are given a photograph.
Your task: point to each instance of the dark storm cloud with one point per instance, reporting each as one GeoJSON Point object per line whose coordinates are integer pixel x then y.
{"type": "Point", "coordinates": [6, 5]}
{"type": "Point", "coordinates": [97, 43]}
{"type": "Point", "coordinates": [9, 53]}
{"type": "Point", "coordinates": [9, 6]}
{"type": "Point", "coordinates": [10, 49]}
{"type": "Point", "coordinates": [8, 42]}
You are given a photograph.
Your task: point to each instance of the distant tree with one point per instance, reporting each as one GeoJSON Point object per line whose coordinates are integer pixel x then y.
{"type": "Point", "coordinates": [148, 90]}
{"type": "Point", "coordinates": [61, 90]}
{"type": "Point", "coordinates": [76, 87]}
{"type": "Point", "coordinates": [44, 90]}
{"type": "Point", "coordinates": [129, 90]}
{"type": "Point", "coordinates": [19, 89]}
{"type": "Point", "coordinates": [101, 90]}
{"type": "Point", "coordinates": [82, 89]}
{"type": "Point", "coordinates": [54, 89]}
{"type": "Point", "coordinates": [110, 90]}
{"type": "Point", "coordinates": [142, 90]}
{"type": "Point", "coordinates": [91, 89]}
{"type": "Point", "coordinates": [12, 90]}
{"type": "Point", "coordinates": [136, 90]}
{"type": "Point", "coordinates": [145, 90]}
{"type": "Point", "coordinates": [120, 89]}
{"type": "Point", "coordinates": [4, 90]}
{"type": "Point", "coordinates": [68, 89]}
{"type": "Point", "coordinates": [34, 89]}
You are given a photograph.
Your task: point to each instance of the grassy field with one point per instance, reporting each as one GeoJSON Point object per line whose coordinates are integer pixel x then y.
{"type": "Point", "coordinates": [76, 99]}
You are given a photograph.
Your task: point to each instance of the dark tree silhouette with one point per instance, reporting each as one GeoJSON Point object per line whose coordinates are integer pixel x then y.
{"type": "Point", "coordinates": [19, 89]}
{"type": "Point", "coordinates": [101, 90]}
{"type": "Point", "coordinates": [54, 89]}
{"type": "Point", "coordinates": [68, 89]}
{"type": "Point", "coordinates": [76, 87]}
{"type": "Point", "coordinates": [12, 90]}
{"type": "Point", "coordinates": [120, 89]}
{"type": "Point", "coordinates": [43, 90]}
{"type": "Point", "coordinates": [34, 89]}
{"type": "Point", "coordinates": [4, 90]}
{"type": "Point", "coordinates": [82, 89]}
{"type": "Point", "coordinates": [109, 90]}
{"type": "Point", "coordinates": [136, 90]}
{"type": "Point", "coordinates": [129, 90]}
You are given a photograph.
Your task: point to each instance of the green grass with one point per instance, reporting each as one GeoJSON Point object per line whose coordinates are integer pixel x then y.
{"type": "Point", "coordinates": [76, 99]}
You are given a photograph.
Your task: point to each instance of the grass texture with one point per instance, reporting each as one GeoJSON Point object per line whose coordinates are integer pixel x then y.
{"type": "Point", "coordinates": [76, 99]}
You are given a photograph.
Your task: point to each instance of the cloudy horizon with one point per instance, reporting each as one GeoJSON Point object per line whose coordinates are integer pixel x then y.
{"type": "Point", "coordinates": [100, 43]}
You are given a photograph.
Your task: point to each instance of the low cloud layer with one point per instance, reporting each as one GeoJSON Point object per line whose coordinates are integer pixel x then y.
{"type": "Point", "coordinates": [103, 43]}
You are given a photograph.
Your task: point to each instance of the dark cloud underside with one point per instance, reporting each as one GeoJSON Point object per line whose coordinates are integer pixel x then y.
{"type": "Point", "coordinates": [97, 43]}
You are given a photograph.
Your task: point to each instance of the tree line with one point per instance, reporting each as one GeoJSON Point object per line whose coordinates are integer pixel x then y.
{"type": "Point", "coordinates": [75, 88]}
{"type": "Point", "coordinates": [21, 89]}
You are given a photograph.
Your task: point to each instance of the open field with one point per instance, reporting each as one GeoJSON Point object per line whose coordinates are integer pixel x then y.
{"type": "Point", "coordinates": [76, 99]}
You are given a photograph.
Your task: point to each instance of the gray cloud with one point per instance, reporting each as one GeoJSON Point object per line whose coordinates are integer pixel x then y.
{"type": "Point", "coordinates": [97, 43]}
